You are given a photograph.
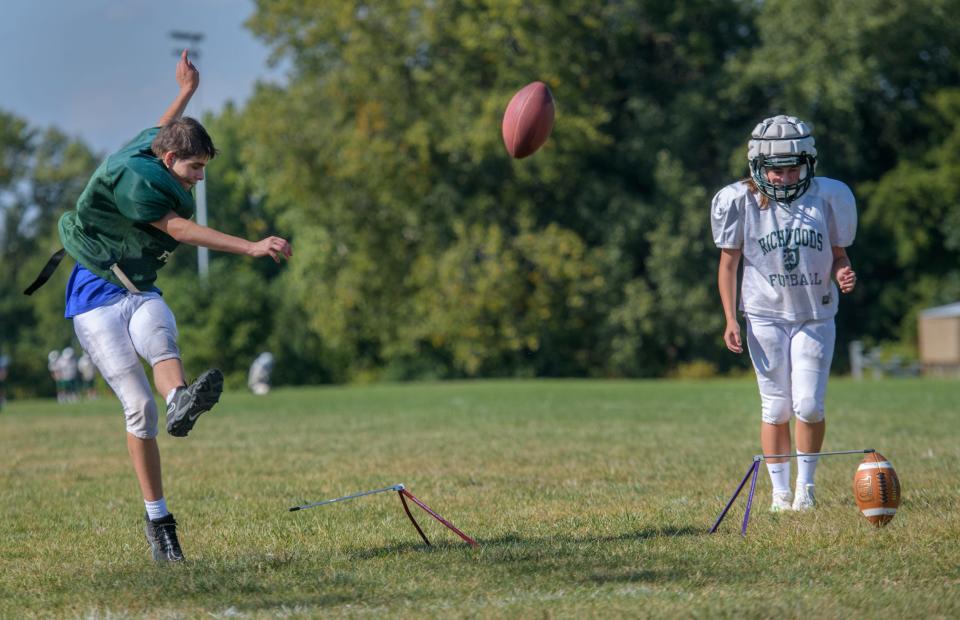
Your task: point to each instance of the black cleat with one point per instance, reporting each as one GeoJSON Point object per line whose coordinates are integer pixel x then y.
{"type": "Point", "coordinates": [189, 402]}
{"type": "Point", "coordinates": [162, 536]}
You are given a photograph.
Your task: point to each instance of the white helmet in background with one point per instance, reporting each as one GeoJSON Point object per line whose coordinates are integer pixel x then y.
{"type": "Point", "coordinates": [782, 142]}
{"type": "Point", "coordinates": [68, 352]}
{"type": "Point", "coordinates": [52, 356]}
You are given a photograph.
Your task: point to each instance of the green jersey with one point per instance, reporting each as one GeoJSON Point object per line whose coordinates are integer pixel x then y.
{"type": "Point", "coordinates": [112, 222]}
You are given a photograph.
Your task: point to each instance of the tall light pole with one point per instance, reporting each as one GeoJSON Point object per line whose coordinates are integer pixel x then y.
{"type": "Point", "coordinates": [192, 40]}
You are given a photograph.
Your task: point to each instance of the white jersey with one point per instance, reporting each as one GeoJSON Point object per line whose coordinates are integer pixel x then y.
{"type": "Point", "coordinates": [87, 370]}
{"type": "Point", "coordinates": [787, 248]}
{"type": "Point", "coordinates": [260, 369]}
{"type": "Point", "coordinates": [67, 367]}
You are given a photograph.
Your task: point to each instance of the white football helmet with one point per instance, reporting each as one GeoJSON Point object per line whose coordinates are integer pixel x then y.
{"type": "Point", "coordinates": [265, 360]}
{"type": "Point", "coordinates": [782, 142]}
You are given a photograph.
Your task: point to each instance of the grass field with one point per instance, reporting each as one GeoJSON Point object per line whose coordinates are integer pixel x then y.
{"type": "Point", "coordinates": [588, 499]}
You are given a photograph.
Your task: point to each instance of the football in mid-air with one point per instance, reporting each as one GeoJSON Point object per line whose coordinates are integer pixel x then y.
{"type": "Point", "coordinates": [876, 488]}
{"type": "Point", "coordinates": [528, 120]}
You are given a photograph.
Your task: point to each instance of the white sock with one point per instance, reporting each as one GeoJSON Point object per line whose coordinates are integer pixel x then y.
{"type": "Point", "coordinates": [171, 393]}
{"type": "Point", "coordinates": [157, 509]}
{"type": "Point", "coordinates": [806, 468]}
{"type": "Point", "coordinates": [779, 476]}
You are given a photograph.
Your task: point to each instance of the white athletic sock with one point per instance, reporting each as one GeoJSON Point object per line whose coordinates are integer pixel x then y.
{"type": "Point", "coordinates": [157, 509]}
{"type": "Point", "coordinates": [779, 476]}
{"type": "Point", "coordinates": [171, 393]}
{"type": "Point", "coordinates": [806, 468]}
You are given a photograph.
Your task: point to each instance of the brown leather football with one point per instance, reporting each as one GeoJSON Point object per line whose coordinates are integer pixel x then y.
{"type": "Point", "coordinates": [876, 489]}
{"type": "Point", "coordinates": [528, 120]}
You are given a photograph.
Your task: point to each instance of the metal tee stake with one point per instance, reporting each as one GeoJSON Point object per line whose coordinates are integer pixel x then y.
{"type": "Point", "coordinates": [752, 474]}
{"type": "Point", "coordinates": [395, 487]}
{"type": "Point", "coordinates": [754, 468]}
{"type": "Point", "coordinates": [450, 526]}
{"type": "Point", "coordinates": [404, 494]}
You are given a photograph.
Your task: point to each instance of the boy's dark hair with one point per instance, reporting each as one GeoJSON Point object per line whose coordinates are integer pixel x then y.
{"type": "Point", "coordinates": [185, 137]}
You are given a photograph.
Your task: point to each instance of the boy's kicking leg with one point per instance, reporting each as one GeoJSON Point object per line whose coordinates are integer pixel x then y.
{"type": "Point", "coordinates": [186, 403]}
{"type": "Point", "coordinates": [106, 334]}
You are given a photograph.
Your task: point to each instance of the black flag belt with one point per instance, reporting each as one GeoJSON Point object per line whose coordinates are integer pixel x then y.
{"type": "Point", "coordinates": [54, 261]}
{"type": "Point", "coordinates": [46, 272]}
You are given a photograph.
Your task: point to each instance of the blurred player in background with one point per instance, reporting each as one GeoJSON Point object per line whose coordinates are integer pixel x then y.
{"type": "Point", "coordinates": [258, 379]}
{"type": "Point", "coordinates": [134, 212]}
{"type": "Point", "coordinates": [69, 375]}
{"type": "Point", "coordinates": [791, 229]}
{"type": "Point", "coordinates": [53, 365]}
{"type": "Point", "coordinates": [88, 375]}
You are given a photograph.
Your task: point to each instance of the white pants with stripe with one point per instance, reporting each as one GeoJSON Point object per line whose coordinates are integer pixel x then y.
{"type": "Point", "coordinates": [116, 336]}
{"type": "Point", "coordinates": [792, 361]}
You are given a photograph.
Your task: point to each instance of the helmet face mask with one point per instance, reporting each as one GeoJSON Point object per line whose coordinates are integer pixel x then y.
{"type": "Point", "coordinates": [782, 142]}
{"type": "Point", "coordinates": [782, 192]}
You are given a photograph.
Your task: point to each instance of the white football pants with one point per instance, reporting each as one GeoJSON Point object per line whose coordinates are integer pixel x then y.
{"type": "Point", "coordinates": [114, 336]}
{"type": "Point", "coordinates": [792, 361]}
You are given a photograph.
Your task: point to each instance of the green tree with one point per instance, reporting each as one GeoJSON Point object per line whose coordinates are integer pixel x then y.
{"type": "Point", "coordinates": [41, 174]}
{"type": "Point", "coordinates": [914, 216]}
{"type": "Point", "coordinates": [383, 154]}
{"type": "Point", "coordinates": [242, 308]}
{"type": "Point", "coordinates": [422, 250]}
{"type": "Point", "coordinates": [497, 304]}
{"type": "Point", "coordinates": [868, 74]}
{"type": "Point", "coordinates": [860, 71]}
{"type": "Point", "coordinates": [670, 314]}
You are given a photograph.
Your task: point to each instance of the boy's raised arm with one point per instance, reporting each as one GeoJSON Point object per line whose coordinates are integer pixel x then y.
{"type": "Point", "coordinates": [189, 79]}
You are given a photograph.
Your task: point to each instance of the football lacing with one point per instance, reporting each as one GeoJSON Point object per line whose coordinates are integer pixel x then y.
{"type": "Point", "coordinates": [882, 487]}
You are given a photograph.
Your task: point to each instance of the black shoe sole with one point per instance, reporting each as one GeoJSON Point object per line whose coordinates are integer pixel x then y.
{"type": "Point", "coordinates": [205, 393]}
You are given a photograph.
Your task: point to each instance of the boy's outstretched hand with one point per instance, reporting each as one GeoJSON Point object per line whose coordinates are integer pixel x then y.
{"type": "Point", "coordinates": [274, 247]}
{"type": "Point", "coordinates": [188, 77]}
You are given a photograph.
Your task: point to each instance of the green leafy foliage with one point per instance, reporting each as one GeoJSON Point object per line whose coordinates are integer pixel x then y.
{"type": "Point", "coordinates": [498, 304]}
{"type": "Point", "coordinates": [914, 209]}
{"type": "Point", "coordinates": [41, 174]}
{"type": "Point", "coordinates": [418, 237]}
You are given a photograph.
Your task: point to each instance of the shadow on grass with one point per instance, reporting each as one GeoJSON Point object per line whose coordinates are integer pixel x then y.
{"type": "Point", "coordinates": [515, 541]}
{"type": "Point", "coordinates": [308, 581]}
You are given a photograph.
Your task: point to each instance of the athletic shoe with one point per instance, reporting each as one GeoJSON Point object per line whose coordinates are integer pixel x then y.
{"type": "Point", "coordinates": [189, 402]}
{"type": "Point", "coordinates": [162, 536]}
{"type": "Point", "coordinates": [781, 501]}
{"type": "Point", "coordinates": [804, 499]}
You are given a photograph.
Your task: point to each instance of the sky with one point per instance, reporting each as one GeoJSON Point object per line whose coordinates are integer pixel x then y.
{"type": "Point", "coordinates": [102, 70]}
